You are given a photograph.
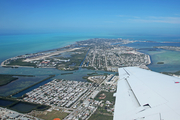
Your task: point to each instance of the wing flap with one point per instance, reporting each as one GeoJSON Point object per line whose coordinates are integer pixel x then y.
{"type": "Point", "coordinates": [146, 95]}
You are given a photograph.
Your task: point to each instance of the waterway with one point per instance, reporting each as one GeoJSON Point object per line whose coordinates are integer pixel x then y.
{"type": "Point", "coordinates": [31, 88]}
{"type": "Point", "coordinates": [36, 43]}
{"type": "Point", "coordinates": [19, 106]}
{"type": "Point", "coordinates": [23, 107]}
{"type": "Point", "coordinates": [84, 59]}
{"type": "Point", "coordinates": [169, 57]}
{"type": "Point", "coordinates": [19, 84]}
{"type": "Point", "coordinates": [5, 103]}
{"type": "Point", "coordinates": [41, 74]}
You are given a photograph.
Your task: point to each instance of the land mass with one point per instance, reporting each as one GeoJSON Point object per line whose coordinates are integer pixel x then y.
{"type": "Point", "coordinates": [96, 54]}
{"type": "Point", "coordinates": [75, 99]}
{"type": "Point", "coordinates": [174, 48]}
{"type": "Point", "coordinates": [160, 62]}
{"type": "Point", "coordinates": [5, 79]}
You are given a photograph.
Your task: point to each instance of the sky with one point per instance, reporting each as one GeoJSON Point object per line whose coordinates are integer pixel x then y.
{"type": "Point", "coordinates": [114, 16]}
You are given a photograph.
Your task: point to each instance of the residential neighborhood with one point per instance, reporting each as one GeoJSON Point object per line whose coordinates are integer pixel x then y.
{"type": "Point", "coordinates": [74, 97]}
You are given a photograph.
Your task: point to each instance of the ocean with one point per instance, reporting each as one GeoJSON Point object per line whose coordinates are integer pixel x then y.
{"type": "Point", "coordinates": [14, 45]}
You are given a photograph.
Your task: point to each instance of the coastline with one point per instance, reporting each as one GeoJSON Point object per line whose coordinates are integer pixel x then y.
{"type": "Point", "coordinates": [48, 55]}
{"type": "Point", "coordinates": [37, 58]}
{"type": "Point", "coordinates": [2, 64]}
{"type": "Point", "coordinates": [149, 59]}
{"type": "Point", "coordinates": [29, 58]}
{"type": "Point", "coordinates": [37, 43]}
{"type": "Point", "coordinates": [50, 76]}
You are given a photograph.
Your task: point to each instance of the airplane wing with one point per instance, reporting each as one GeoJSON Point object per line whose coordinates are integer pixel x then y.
{"type": "Point", "coordinates": [146, 95]}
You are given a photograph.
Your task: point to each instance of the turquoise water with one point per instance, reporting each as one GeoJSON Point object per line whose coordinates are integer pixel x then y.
{"type": "Point", "coordinates": [14, 45]}
{"type": "Point", "coordinates": [170, 58]}
{"type": "Point", "coordinates": [171, 61]}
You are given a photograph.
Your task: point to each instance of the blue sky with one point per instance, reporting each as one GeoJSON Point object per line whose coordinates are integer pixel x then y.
{"type": "Point", "coordinates": [114, 16]}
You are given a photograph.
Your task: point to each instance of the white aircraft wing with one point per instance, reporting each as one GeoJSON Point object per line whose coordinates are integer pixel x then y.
{"type": "Point", "coordinates": [146, 95]}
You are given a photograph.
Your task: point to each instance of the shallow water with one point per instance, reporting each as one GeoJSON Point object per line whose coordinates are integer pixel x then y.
{"type": "Point", "coordinates": [40, 74]}
{"type": "Point", "coordinates": [171, 61]}
{"type": "Point", "coordinates": [170, 58]}
{"type": "Point", "coordinates": [19, 84]}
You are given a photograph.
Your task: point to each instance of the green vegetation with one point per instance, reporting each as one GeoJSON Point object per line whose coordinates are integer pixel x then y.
{"type": "Point", "coordinates": [5, 79]}
{"type": "Point", "coordinates": [109, 96]}
{"type": "Point", "coordinates": [51, 115]}
{"type": "Point", "coordinates": [21, 63]}
{"type": "Point", "coordinates": [160, 62]}
{"type": "Point", "coordinates": [50, 76]}
{"type": "Point", "coordinates": [66, 73]}
{"type": "Point", "coordinates": [75, 60]}
{"type": "Point", "coordinates": [86, 78]}
{"type": "Point", "coordinates": [102, 113]}
{"type": "Point", "coordinates": [177, 73]}
{"type": "Point", "coordinates": [172, 73]}
{"type": "Point", "coordinates": [97, 116]}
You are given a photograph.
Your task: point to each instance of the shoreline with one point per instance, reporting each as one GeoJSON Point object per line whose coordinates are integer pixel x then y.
{"type": "Point", "coordinates": [48, 55]}
{"type": "Point", "coordinates": [149, 58]}
{"type": "Point", "coordinates": [2, 64]}
{"type": "Point", "coordinates": [61, 50]}
{"type": "Point", "coordinates": [40, 56]}
{"type": "Point", "coordinates": [37, 58]}
{"type": "Point", "coordinates": [50, 76]}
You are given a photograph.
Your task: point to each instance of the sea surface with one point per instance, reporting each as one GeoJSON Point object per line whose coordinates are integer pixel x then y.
{"type": "Point", "coordinates": [170, 58]}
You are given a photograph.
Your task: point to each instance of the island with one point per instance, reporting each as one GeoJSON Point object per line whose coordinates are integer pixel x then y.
{"type": "Point", "coordinates": [96, 54]}
{"type": "Point", "coordinates": [67, 99]}
{"type": "Point", "coordinates": [160, 62]}
{"type": "Point", "coordinates": [75, 99]}
{"type": "Point", "coordinates": [174, 48]}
